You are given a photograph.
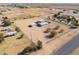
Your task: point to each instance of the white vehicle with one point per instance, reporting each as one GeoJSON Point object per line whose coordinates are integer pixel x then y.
{"type": "Point", "coordinates": [10, 33]}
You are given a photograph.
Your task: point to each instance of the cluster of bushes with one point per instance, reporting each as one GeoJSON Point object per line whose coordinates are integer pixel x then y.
{"type": "Point", "coordinates": [6, 22]}
{"type": "Point", "coordinates": [73, 20]}
{"type": "Point", "coordinates": [20, 6]}
{"type": "Point", "coordinates": [55, 15]}
{"type": "Point", "coordinates": [67, 19]}
{"type": "Point", "coordinates": [51, 32]}
{"type": "Point", "coordinates": [31, 49]}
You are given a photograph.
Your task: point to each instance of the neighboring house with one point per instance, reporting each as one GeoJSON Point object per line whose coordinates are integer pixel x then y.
{"type": "Point", "coordinates": [41, 23]}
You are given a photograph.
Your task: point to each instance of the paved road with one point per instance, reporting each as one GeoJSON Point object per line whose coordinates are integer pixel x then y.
{"type": "Point", "coordinates": [68, 47]}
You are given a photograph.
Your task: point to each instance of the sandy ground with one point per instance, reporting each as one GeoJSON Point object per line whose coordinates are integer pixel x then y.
{"type": "Point", "coordinates": [12, 46]}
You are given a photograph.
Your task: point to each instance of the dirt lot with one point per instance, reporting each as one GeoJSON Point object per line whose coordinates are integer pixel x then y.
{"type": "Point", "coordinates": [13, 46]}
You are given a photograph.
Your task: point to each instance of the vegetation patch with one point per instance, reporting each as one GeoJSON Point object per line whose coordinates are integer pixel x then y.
{"type": "Point", "coordinates": [6, 22]}
{"type": "Point", "coordinates": [31, 49]}
{"type": "Point", "coordinates": [1, 37]}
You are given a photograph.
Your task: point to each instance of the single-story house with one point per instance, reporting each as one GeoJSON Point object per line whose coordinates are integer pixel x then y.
{"type": "Point", "coordinates": [41, 23]}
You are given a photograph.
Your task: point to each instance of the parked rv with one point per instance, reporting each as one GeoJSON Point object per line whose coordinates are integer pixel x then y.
{"type": "Point", "coordinates": [10, 33]}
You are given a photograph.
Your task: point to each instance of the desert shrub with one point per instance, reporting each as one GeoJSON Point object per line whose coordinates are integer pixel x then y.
{"type": "Point", "coordinates": [73, 18]}
{"type": "Point", "coordinates": [6, 22]}
{"type": "Point", "coordinates": [47, 30]}
{"type": "Point", "coordinates": [56, 28]}
{"type": "Point", "coordinates": [17, 29]}
{"type": "Point", "coordinates": [5, 54]}
{"type": "Point", "coordinates": [1, 37]}
{"type": "Point", "coordinates": [33, 48]}
{"type": "Point", "coordinates": [26, 50]}
{"type": "Point", "coordinates": [52, 33]}
{"type": "Point", "coordinates": [48, 18]}
{"type": "Point", "coordinates": [75, 23]}
{"type": "Point", "coordinates": [39, 44]}
{"type": "Point", "coordinates": [21, 36]}
{"type": "Point", "coordinates": [68, 19]}
{"type": "Point", "coordinates": [5, 17]}
{"type": "Point", "coordinates": [58, 13]}
{"type": "Point", "coordinates": [55, 15]}
{"type": "Point", "coordinates": [61, 31]}
{"type": "Point", "coordinates": [19, 6]}
{"type": "Point", "coordinates": [54, 19]}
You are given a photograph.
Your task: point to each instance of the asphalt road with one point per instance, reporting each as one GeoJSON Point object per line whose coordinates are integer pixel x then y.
{"type": "Point", "coordinates": [69, 47]}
